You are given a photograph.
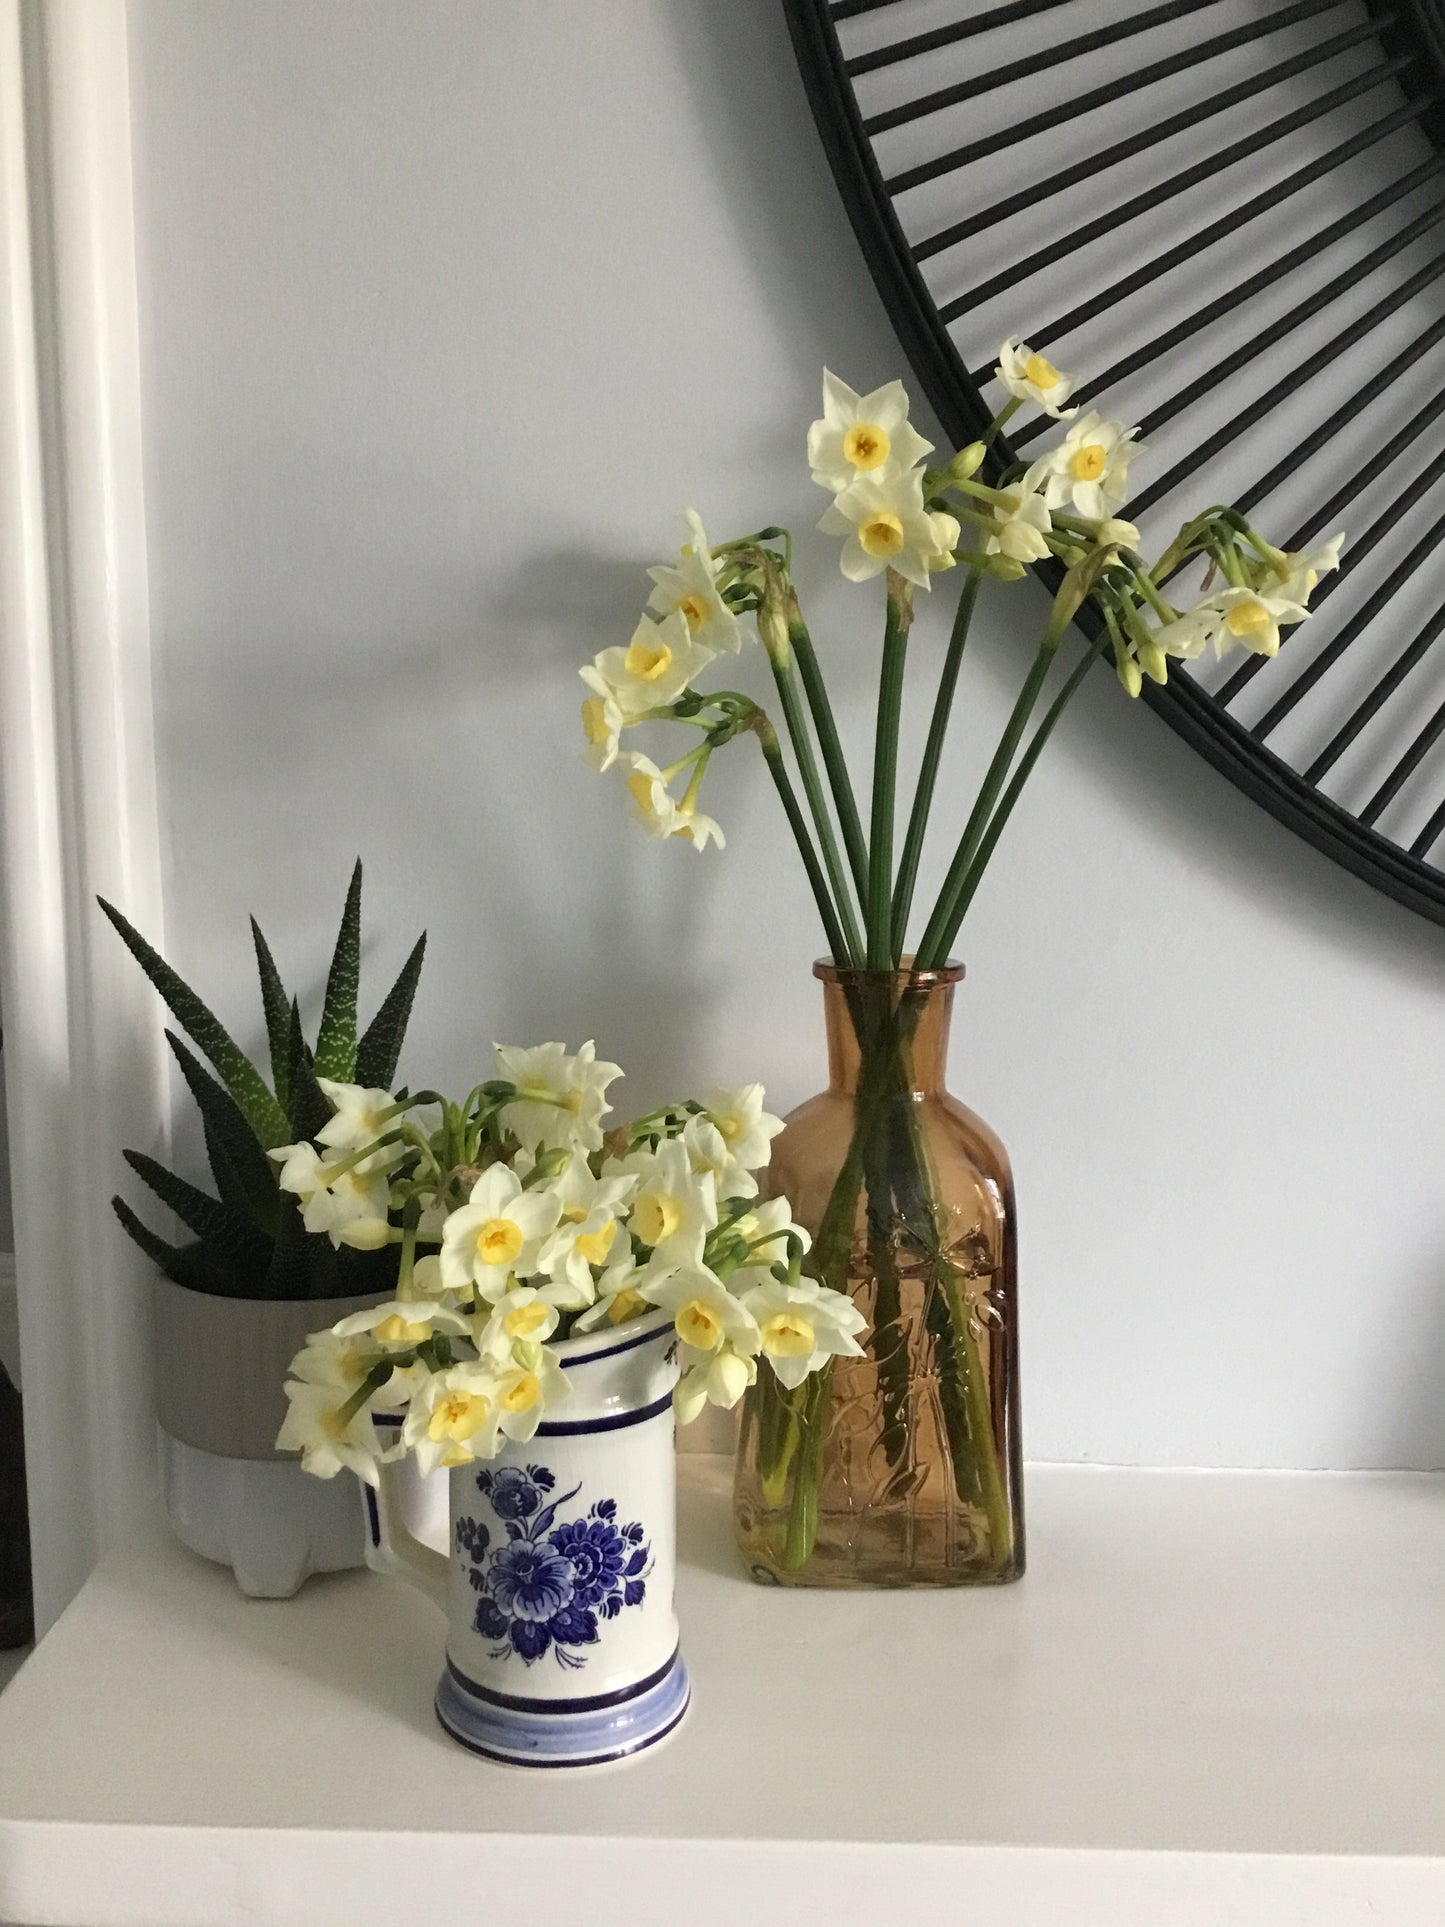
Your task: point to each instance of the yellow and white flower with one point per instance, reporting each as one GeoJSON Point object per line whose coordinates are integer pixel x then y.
{"type": "Point", "coordinates": [349, 1206]}
{"type": "Point", "coordinates": [711, 1378]}
{"type": "Point", "coordinates": [522, 1316]}
{"type": "Point", "coordinates": [578, 1248]}
{"type": "Point", "coordinates": [697, 828]}
{"type": "Point", "coordinates": [401, 1324]}
{"type": "Point", "coordinates": [561, 1099]}
{"type": "Point", "coordinates": [706, 1314]}
{"type": "Point", "coordinates": [602, 720]}
{"type": "Point", "coordinates": [1034, 378]}
{"type": "Point", "coordinates": [497, 1235]}
{"type": "Point", "coordinates": [344, 1363]}
{"type": "Point", "coordinates": [1020, 527]}
{"type": "Point", "coordinates": [690, 590]}
{"type": "Point", "coordinates": [527, 1392]}
{"type": "Point", "coordinates": [707, 1151]}
{"type": "Point", "coordinates": [1246, 617]}
{"type": "Point", "coordinates": [358, 1118]}
{"type": "Point", "coordinates": [862, 435]}
{"type": "Point", "coordinates": [618, 1298]}
{"type": "Point", "coordinates": [653, 804]}
{"type": "Point", "coordinates": [946, 534]}
{"type": "Point", "coordinates": [1295, 576]}
{"type": "Point", "coordinates": [674, 1208]}
{"type": "Point", "coordinates": [328, 1444]}
{"type": "Point", "coordinates": [801, 1326]}
{"type": "Point", "coordinates": [770, 1229]}
{"type": "Point", "coordinates": [455, 1417]}
{"type": "Point", "coordinates": [886, 525]}
{"type": "Point", "coordinates": [661, 661]}
{"type": "Point", "coordinates": [747, 1129]}
{"type": "Point", "coordinates": [1089, 470]}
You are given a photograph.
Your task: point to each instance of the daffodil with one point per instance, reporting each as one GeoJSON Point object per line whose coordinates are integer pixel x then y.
{"type": "Point", "coordinates": [690, 590]}
{"type": "Point", "coordinates": [1295, 575]}
{"type": "Point", "coordinates": [770, 1230]}
{"type": "Point", "coordinates": [1019, 527]}
{"type": "Point", "coordinates": [862, 435]}
{"type": "Point", "coordinates": [1089, 470]}
{"type": "Point", "coordinates": [602, 720]}
{"type": "Point", "coordinates": [579, 1247]}
{"type": "Point", "coordinates": [886, 525]}
{"type": "Point", "coordinates": [528, 1391]}
{"type": "Point", "coordinates": [618, 1298]}
{"type": "Point", "coordinates": [359, 1117]}
{"type": "Point", "coordinates": [802, 1325]}
{"type": "Point", "coordinates": [705, 1312]}
{"type": "Point", "coordinates": [662, 660]}
{"type": "Point", "coordinates": [497, 1235]}
{"type": "Point", "coordinates": [327, 1442]}
{"type": "Point", "coordinates": [707, 1151]}
{"type": "Point", "coordinates": [674, 1207]}
{"type": "Point", "coordinates": [561, 1099]}
{"type": "Point", "coordinates": [946, 534]}
{"type": "Point", "coordinates": [455, 1417]}
{"type": "Point", "coordinates": [401, 1324]}
{"type": "Point", "coordinates": [711, 1378]}
{"type": "Point", "coordinates": [747, 1129]}
{"type": "Point", "coordinates": [653, 804]}
{"type": "Point", "coordinates": [1031, 377]}
{"type": "Point", "coordinates": [696, 828]}
{"type": "Point", "coordinates": [1252, 620]}
{"type": "Point", "coordinates": [350, 1206]}
{"type": "Point", "coordinates": [523, 1315]}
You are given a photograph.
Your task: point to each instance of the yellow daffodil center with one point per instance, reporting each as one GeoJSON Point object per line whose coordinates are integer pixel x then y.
{"type": "Point", "coordinates": [522, 1393]}
{"type": "Point", "coordinates": [1247, 619]}
{"type": "Point", "coordinates": [457, 1416]}
{"type": "Point", "coordinates": [1088, 464]}
{"type": "Point", "coordinates": [639, 785]}
{"type": "Point", "coordinates": [333, 1425]}
{"type": "Point", "coordinates": [594, 720]}
{"type": "Point", "coordinates": [693, 607]}
{"type": "Point", "coordinates": [523, 1320]}
{"type": "Point", "coordinates": [787, 1334]}
{"type": "Point", "coordinates": [729, 1124]}
{"type": "Point", "coordinates": [647, 660]}
{"type": "Point", "coordinates": [397, 1330]}
{"type": "Point", "coordinates": [881, 534]}
{"type": "Point", "coordinates": [499, 1241]}
{"type": "Point", "coordinates": [595, 1245]}
{"type": "Point", "coordinates": [625, 1304]}
{"type": "Point", "coordinates": [657, 1215]}
{"type": "Point", "coordinates": [866, 445]}
{"type": "Point", "coordinates": [1041, 371]}
{"type": "Point", "coordinates": [698, 1325]}
{"type": "Point", "coordinates": [573, 1214]}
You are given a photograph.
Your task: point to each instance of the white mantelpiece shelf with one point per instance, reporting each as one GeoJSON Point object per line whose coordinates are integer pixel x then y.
{"type": "Point", "coordinates": [1217, 1698]}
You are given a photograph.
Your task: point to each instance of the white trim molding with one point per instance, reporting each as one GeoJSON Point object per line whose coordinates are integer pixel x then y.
{"type": "Point", "coordinates": [84, 1069]}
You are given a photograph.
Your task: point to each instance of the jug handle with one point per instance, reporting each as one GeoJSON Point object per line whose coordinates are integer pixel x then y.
{"type": "Point", "coordinates": [390, 1544]}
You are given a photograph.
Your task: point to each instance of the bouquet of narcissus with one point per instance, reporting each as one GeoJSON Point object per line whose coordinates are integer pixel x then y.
{"type": "Point", "coordinates": [521, 1221]}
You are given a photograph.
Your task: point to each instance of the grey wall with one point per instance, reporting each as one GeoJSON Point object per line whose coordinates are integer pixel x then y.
{"type": "Point", "coordinates": [448, 310]}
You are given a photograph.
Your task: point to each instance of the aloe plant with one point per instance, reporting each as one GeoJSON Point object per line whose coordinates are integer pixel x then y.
{"type": "Point", "coordinates": [248, 1240]}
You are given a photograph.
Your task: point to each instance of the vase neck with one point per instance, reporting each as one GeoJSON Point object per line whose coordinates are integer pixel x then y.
{"type": "Point", "coordinates": [900, 1012]}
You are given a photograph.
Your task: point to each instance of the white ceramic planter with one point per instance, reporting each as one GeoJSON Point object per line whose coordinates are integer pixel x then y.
{"type": "Point", "coordinates": [562, 1642]}
{"type": "Point", "coordinates": [229, 1495]}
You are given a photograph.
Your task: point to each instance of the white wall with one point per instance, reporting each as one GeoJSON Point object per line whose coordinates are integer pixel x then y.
{"type": "Point", "coordinates": [449, 308]}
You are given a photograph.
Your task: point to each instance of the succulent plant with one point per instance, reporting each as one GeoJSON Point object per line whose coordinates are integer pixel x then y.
{"type": "Point", "coordinates": [249, 1240]}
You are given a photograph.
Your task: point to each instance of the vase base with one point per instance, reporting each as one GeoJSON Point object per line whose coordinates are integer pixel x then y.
{"type": "Point", "coordinates": [565, 1733]}
{"type": "Point", "coordinates": [848, 1559]}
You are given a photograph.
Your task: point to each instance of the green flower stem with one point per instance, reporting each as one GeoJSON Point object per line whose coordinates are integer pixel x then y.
{"type": "Point", "coordinates": [928, 769]}
{"type": "Point", "coordinates": [810, 1403]}
{"type": "Point", "coordinates": [816, 691]}
{"type": "Point", "coordinates": [897, 622]}
{"type": "Point", "coordinates": [797, 823]}
{"type": "Point", "coordinates": [933, 950]}
{"type": "Point", "coordinates": [851, 949]}
{"type": "Point", "coordinates": [1000, 817]}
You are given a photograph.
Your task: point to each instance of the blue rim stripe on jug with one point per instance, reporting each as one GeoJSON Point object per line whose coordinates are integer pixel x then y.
{"type": "Point", "coordinates": [593, 1759]}
{"type": "Point", "coordinates": [530, 1739]}
{"type": "Point", "coordinates": [595, 1703]}
{"type": "Point", "coordinates": [627, 1345]}
{"type": "Point", "coordinates": [574, 1428]}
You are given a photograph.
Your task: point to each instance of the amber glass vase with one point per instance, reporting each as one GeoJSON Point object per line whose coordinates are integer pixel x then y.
{"type": "Point", "coordinates": [899, 1468]}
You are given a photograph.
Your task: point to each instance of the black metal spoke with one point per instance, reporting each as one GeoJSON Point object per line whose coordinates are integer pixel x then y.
{"type": "Point", "coordinates": [1056, 56]}
{"type": "Point", "coordinates": [1405, 768]}
{"type": "Point", "coordinates": [1430, 835]}
{"type": "Point", "coordinates": [1379, 695]}
{"type": "Point", "coordinates": [1107, 157]}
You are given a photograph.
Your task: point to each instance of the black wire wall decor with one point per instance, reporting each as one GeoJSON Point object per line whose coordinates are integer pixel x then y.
{"type": "Point", "coordinates": [1229, 217]}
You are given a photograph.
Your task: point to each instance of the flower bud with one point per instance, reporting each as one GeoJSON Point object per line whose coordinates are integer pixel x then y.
{"type": "Point", "coordinates": [1004, 567]}
{"type": "Point", "coordinates": [1119, 535]}
{"type": "Point", "coordinates": [1129, 675]}
{"type": "Point", "coordinates": [773, 632]}
{"type": "Point", "coordinates": [966, 463]}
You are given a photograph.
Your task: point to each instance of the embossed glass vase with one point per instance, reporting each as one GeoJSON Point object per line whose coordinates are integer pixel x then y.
{"type": "Point", "coordinates": [902, 1467]}
{"type": "Point", "coordinates": [562, 1646]}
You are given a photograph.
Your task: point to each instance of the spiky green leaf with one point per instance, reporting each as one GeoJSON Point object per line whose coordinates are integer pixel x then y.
{"type": "Point", "coordinates": [238, 1074]}
{"type": "Point", "coordinates": [187, 1265]}
{"type": "Point", "coordinates": [297, 1256]}
{"type": "Point", "coordinates": [229, 1238]}
{"type": "Point", "coordinates": [226, 1122]}
{"type": "Point", "coordinates": [379, 1049]}
{"type": "Point", "coordinates": [309, 1108]}
{"type": "Point", "coordinates": [336, 1039]}
{"type": "Point", "coordinates": [277, 1006]}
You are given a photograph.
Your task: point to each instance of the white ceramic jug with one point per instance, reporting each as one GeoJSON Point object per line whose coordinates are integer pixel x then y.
{"type": "Point", "coordinates": [562, 1645]}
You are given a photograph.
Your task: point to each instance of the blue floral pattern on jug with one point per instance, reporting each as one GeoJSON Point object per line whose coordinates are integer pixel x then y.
{"type": "Point", "coordinates": [549, 1586]}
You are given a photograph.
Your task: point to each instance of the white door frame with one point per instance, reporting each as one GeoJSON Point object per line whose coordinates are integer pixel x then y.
{"type": "Point", "coordinates": [78, 810]}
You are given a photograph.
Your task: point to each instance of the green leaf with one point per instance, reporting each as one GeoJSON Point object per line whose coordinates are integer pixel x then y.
{"type": "Point", "coordinates": [299, 1256]}
{"type": "Point", "coordinates": [186, 1265]}
{"type": "Point", "coordinates": [309, 1107]}
{"type": "Point", "coordinates": [336, 1039]}
{"type": "Point", "coordinates": [278, 1015]}
{"type": "Point", "coordinates": [232, 1240]}
{"type": "Point", "coordinates": [239, 1075]}
{"type": "Point", "coordinates": [225, 1121]}
{"type": "Point", "coordinates": [379, 1049]}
